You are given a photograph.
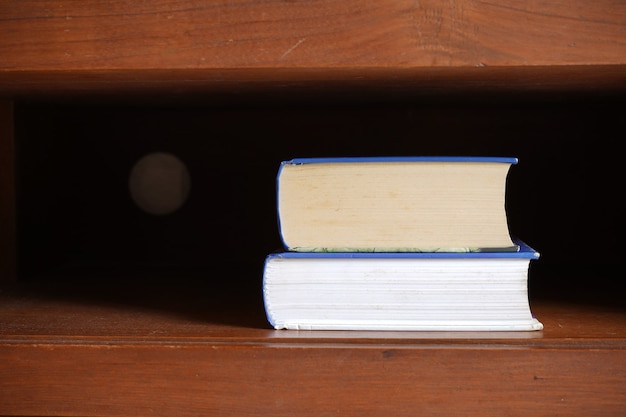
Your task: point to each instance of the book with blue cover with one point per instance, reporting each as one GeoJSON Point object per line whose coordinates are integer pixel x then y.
{"type": "Point", "coordinates": [420, 291]}
{"type": "Point", "coordinates": [394, 204]}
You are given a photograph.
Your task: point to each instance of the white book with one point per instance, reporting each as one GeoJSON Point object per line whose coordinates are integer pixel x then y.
{"type": "Point", "coordinates": [418, 291]}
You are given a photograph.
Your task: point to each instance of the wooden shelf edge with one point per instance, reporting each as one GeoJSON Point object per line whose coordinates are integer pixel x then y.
{"type": "Point", "coordinates": [306, 380]}
{"type": "Point", "coordinates": [106, 347]}
{"type": "Point", "coordinates": [188, 83]}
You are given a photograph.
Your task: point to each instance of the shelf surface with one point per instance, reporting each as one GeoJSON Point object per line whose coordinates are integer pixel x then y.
{"type": "Point", "coordinates": [110, 311]}
{"type": "Point", "coordinates": [146, 311]}
{"type": "Point", "coordinates": [139, 348]}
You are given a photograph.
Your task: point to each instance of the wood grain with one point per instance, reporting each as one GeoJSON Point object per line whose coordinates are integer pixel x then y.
{"type": "Point", "coordinates": [65, 35]}
{"type": "Point", "coordinates": [244, 380]}
{"type": "Point", "coordinates": [210, 43]}
{"type": "Point", "coordinates": [86, 350]}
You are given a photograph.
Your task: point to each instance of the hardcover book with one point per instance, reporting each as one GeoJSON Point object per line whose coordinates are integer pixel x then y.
{"type": "Point", "coordinates": [476, 291]}
{"type": "Point", "coordinates": [394, 204]}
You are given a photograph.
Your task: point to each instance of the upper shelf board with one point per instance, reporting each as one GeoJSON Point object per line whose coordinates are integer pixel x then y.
{"type": "Point", "coordinates": [224, 43]}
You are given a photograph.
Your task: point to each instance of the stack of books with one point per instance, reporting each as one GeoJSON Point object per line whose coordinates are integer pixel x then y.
{"type": "Point", "coordinates": [397, 243]}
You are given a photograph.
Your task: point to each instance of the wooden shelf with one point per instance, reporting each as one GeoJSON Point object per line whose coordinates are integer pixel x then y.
{"type": "Point", "coordinates": [177, 34]}
{"type": "Point", "coordinates": [57, 35]}
{"type": "Point", "coordinates": [87, 87]}
{"type": "Point", "coordinates": [336, 84]}
{"type": "Point", "coordinates": [149, 347]}
{"type": "Point", "coordinates": [176, 47]}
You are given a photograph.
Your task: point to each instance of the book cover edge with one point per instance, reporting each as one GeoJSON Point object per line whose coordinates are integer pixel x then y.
{"type": "Point", "coordinates": [357, 159]}
{"type": "Point", "coordinates": [524, 252]}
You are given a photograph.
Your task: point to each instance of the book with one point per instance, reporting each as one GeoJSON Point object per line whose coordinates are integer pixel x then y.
{"type": "Point", "coordinates": [421, 291]}
{"type": "Point", "coordinates": [394, 204]}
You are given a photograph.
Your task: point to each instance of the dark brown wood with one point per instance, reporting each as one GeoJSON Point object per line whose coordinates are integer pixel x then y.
{"type": "Point", "coordinates": [67, 350]}
{"type": "Point", "coordinates": [248, 380]}
{"type": "Point", "coordinates": [8, 252]}
{"type": "Point", "coordinates": [186, 84]}
{"type": "Point", "coordinates": [64, 35]}
{"type": "Point", "coordinates": [62, 45]}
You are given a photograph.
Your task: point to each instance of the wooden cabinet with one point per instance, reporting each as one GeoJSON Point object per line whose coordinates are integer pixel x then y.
{"type": "Point", "coordinates": [108, 310]}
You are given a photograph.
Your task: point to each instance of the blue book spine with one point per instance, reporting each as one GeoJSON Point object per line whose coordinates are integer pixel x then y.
{"type": "Point", "coordinates": [524, 251]}
{"type": "Point", "coordinates": [370, 159]}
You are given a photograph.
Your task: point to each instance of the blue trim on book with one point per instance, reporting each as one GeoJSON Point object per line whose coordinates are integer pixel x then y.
{"type": "Point", "coordinates": [499, 159]}
{"type": "Point", "coordinates": [524, 251]}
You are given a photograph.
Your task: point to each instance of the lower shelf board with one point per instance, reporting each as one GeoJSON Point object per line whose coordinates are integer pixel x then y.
{"type": "Point", "coordinates": [125, 350]}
